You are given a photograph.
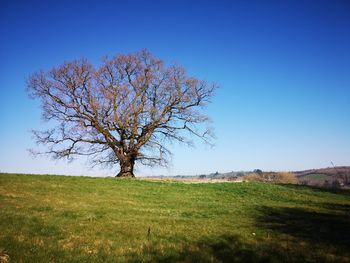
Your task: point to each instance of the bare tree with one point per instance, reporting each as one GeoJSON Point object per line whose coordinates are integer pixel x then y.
{"type": "Point", "coordinates": [124, 111]}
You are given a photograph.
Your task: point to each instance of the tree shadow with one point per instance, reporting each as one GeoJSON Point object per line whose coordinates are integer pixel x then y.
{"type": "Point", "coordinates": [313, 227]}
{"type": "Point", "coordinates": [230, 248]}
{"type": "Point", "coordinates": [287, 235]}
{"type": "Point", "coordinates": [227, 248]}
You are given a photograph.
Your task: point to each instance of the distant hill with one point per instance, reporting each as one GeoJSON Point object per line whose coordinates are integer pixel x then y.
{"type": "Point", "coordinates": [330, 177]}
{"type": "Point", "coordinates": [330, 171]}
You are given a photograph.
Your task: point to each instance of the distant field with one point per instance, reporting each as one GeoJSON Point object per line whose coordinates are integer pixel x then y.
{"type": "Point", "coordinates": [326, 177]}
{"type": "Point", "coordinates": [321, 178]}
{"type": "Point", "coordinates": [81, 219]}
{"type": "Point", "coordinates": [316, 179]}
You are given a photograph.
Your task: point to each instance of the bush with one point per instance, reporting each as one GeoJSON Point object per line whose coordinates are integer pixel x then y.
{"type": "Point", "coordinates": [286, 178]}
{"type": "Point", "coordinates": [253, 177]}
{"type": "Point", "coordinates": [336, 184]}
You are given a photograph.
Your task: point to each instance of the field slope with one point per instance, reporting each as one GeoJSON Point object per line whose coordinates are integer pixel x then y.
{"type": "Point", "coordinates": [81, 219]}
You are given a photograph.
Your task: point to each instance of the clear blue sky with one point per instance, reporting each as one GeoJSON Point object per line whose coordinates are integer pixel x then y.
{"type": "Point", "coordinates": [283, 68]}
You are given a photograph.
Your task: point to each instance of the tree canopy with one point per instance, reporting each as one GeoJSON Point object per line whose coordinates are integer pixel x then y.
{"type": "Point", "coordinates": [122, 112]}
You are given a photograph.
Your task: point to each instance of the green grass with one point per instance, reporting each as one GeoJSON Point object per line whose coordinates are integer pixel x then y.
{"type": "Point", "coordinates": [81, 219]}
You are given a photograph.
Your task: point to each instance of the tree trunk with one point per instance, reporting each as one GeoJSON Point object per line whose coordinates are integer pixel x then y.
{"type": "Point", "coordinates": [126, 168]}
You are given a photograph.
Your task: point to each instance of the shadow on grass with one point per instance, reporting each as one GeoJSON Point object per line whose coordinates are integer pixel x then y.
{"type": "Point", "coordinates": [227, 248]}
{"type": "Point", "coordinates": [293, 235]}
{"type": "Point", "coordinates": [230, 248]}
{"type": "Point", "coordinates": [310, 226]}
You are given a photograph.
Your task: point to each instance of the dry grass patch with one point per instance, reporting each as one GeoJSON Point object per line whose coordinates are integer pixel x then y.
{"type": "Point", "coordinates": [272, 177]}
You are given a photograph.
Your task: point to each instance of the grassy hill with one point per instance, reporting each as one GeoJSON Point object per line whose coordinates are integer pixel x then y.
{"type": "Point", "coordinates": [81, 219]}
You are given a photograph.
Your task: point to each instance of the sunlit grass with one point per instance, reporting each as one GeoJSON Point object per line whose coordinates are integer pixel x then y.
{"type": "Point", "coordinates": [80, 219]}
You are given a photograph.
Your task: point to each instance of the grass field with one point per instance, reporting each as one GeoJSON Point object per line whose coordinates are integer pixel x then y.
{"type": "Point", "coordinates": [81, 219]}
